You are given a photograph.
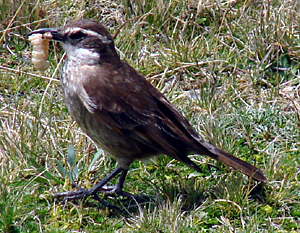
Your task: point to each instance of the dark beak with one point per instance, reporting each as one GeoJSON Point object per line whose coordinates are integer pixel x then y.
{"type": "Point", "coordinates": [53, 31]}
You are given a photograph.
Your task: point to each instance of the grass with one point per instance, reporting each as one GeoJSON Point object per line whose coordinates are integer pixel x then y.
{"type": "Point", "coordinates": [231, 67]}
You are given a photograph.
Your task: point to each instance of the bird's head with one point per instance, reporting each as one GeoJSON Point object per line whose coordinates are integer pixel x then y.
{"type": "Point", "coordinates": [83, 39]}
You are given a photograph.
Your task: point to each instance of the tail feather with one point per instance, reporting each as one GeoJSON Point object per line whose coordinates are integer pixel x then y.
{"type": "Point", "coordinates": [232, 161]}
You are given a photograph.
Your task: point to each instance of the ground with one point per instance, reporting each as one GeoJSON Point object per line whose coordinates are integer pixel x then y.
{"type": "Point", "coordinates": [231, 67]}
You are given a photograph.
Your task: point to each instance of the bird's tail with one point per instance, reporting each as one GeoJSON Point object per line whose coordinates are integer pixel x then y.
{"type": "Point", "coordinates": [230, 160]}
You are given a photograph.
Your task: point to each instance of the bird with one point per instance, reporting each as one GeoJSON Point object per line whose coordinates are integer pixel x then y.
{"type": "Point", "coordinates": [121, 111]}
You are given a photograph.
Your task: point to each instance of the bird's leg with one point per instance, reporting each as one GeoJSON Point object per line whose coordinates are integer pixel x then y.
{"type": "Point", "coordinates": [97, 188]}
{"type": "Point", "coordinates": [118, 189]}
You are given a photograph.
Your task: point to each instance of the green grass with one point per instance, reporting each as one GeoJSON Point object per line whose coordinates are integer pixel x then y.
{"type": "Point", "coordinates": [231, 67]}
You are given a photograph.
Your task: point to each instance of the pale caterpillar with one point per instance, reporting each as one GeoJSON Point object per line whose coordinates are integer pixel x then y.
{"type": "Point", "coordinates": [40, 44]}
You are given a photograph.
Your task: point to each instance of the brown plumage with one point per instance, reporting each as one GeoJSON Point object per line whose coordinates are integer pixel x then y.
{"type": "Point", "coordinates": [122, 112]}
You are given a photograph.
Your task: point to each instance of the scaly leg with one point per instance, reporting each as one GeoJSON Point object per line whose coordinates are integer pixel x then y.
{"type": "Point", "coordinates": [98, 188]}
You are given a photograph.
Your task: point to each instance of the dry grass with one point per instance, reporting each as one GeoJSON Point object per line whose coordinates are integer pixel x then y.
{"type": "Point", "coordinates": [231, 67]}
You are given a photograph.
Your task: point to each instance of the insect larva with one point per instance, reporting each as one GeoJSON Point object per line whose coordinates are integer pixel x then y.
{"type": "Point", "coordinates": [40, 45]}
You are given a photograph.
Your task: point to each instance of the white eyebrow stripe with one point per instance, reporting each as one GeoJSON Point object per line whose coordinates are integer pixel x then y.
{"type": "Point", "coordinates": [89, 32]}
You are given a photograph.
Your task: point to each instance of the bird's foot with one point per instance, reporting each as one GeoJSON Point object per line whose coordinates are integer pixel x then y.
{"type": "Point", "coordinates": [72, 195]}
{"type": "Point", "coordinates": [138, 199]}
{"type": "Point", "coordinates": [110, 190]}
{"type": "Point", "coordinates": [99, 187]}
{"type": "Point", "coordinates": [107, 190]}
{"type": "Point", "coordinates": [81, 193]}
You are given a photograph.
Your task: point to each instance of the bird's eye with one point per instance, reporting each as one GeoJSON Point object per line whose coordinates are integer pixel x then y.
{"type": "Point", "coordinates": [77, 35]}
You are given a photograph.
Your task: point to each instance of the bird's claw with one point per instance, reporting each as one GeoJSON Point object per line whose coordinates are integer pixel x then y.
{"type": "Point", "coordinates": [81, 193]}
